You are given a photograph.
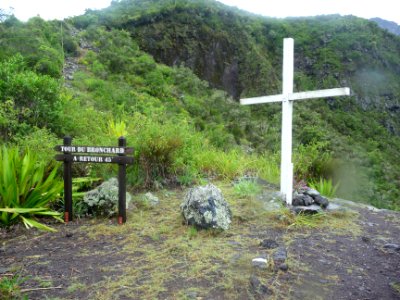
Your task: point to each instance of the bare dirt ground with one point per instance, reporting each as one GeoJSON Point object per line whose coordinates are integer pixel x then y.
{"type": "Point", "coordinates": [156, 256]}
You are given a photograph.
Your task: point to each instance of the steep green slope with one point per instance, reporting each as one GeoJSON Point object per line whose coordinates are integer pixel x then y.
{"type": "Point", "coordinates": [181, 129]}
{"type": "Point", "coordinates": [241, 53]}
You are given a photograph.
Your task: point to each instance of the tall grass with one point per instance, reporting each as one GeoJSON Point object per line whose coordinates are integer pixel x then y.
{"type": "Point", "coordinates": [234, 163]}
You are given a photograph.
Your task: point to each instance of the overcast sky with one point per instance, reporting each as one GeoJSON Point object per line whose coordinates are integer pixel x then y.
{"type": "Point", "coordinates": [59, 9]}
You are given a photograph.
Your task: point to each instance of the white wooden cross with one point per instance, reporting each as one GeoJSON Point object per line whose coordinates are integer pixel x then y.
{"type": "Point", "coordinates": [287, 97]}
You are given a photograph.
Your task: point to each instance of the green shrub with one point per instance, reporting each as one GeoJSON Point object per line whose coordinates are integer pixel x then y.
{"type": "Point", "coordinates": [26, 189]}
{"type": "Point", "coordinates": [34, 142]}
{"type": "Point", "coordinates": [10, 287]}
{"type": "Point", "coordinates": [246, 188]}
{"type": "Point", "coordinates": [35, 97]}
{"type": "Point", "coordinates": [312, 160]}
{"type": "Point", "coordinates": [164, 149]}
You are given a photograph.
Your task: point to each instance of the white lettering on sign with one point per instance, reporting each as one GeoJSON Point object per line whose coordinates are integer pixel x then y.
{"type": "Point", "coordinates": [93, 149]}
{"type": "Point", "coordinates": [98, 159]}
{"type": "Point", "coordinates": [68, 148]}
{"type": "Point", "coordinates": [105, 150]}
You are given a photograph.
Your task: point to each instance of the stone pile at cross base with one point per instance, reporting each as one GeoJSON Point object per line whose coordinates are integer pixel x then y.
{"type": "Point", "coordinates": [308, 200]}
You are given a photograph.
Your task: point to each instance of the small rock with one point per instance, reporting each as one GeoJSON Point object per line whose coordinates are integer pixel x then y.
{"type": "Point", "coordinates": [280, 256]}
{"type": "Point", "coordinates": [191, 295]}
{"type": "Point", "coordinates": [336, 207]}
{"type": "Point", "coordinates": [321, 201]}
{"type": "Point", "coordinates": [260, 262]}
{"type": "Point", "coordinates": [269, 244]}
{"type": "Point", "coordinates": [312, 209]}
{"type": "Point", "coordinates": [312, 192]}
{"type": "Point", "coordinates": [302, 200]}
{"type": "Point", "coordinates": [365, 239]}
{"type": "Point", "coordinates": [257, 287]}
{"type": "Point", "coordinates": [235, 258]}
{"type": "Point", "coordinates": [271, 205]}
{"type": "Point", "coordinates": [150, 199]}
{"type": "Point", "coordinates": [323, 281]}
{"type": "Point", "coordinates": [392, 247]}
{"type": "Point", "coordinates": [283, 267]}
{"type": "Point", "coordinates": [234, 243]}
{"type": "Point", "coordinates": [4, 270]}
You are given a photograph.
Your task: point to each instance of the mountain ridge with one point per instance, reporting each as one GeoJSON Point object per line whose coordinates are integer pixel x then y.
{"type": "Point", "coordinates": [390, 26]}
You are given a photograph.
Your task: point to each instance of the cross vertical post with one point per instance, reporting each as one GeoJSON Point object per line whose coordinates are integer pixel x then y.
{"type": "Point", "coordinates": [287, 116]}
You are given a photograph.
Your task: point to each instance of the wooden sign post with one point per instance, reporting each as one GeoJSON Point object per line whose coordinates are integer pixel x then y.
{"type": "Point", "coordinates": [73, 154]}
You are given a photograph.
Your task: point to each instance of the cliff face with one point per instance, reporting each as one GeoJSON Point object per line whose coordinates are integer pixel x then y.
{"type": "Point", "coordinates": [242, 53]}
{"type": "Point", "coordinates": [213, 43]}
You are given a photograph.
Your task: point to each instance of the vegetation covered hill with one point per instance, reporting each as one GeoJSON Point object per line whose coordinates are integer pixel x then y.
{"type": "Point", "coordinates": [168, 75]}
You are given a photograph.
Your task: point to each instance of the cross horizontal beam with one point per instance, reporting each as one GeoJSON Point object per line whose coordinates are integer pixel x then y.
{"type": "Point", "coordinates": [297, 96]}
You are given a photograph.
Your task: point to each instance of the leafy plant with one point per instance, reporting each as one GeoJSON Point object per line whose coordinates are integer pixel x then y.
{"type": "Point", "coordinates": [325, 187]}
{"type": "Point", "coordinates": [26, 189]}
{"type": "Point", "coordinates": [10, 287]}
{"type": "Point", "coordinates": [246, 188]}
{"type": "Point", "coordinates": [117, 128]}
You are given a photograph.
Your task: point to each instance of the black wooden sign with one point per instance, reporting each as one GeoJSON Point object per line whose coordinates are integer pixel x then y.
{"type": "Point", "coordinates": [102, 155]}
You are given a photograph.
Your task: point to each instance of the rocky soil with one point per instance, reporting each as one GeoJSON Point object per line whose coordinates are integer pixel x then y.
{"type": "Point", "coordinates": [156, 256]}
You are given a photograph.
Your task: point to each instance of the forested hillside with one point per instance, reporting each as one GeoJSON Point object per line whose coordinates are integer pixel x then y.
{"type": "Point", "coordinates": [168, 74]}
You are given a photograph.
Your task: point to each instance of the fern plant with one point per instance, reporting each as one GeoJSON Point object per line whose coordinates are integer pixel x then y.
{"type": "Point", "coordinates": [117, 128]}
{"type": "Point", "coordinates": [25, 189]}
{"type": "Point", "coordinates": [325, 187]}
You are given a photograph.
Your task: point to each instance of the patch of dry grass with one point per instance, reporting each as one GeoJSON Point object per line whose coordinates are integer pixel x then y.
{"type": "Point", "coordinates": [165, 259]}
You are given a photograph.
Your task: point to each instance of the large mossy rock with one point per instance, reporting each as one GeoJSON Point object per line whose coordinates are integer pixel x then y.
{"type": "Point", "coordinates": [103, 200]}
{"type": "Point", "coordinates": [205, 207]}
